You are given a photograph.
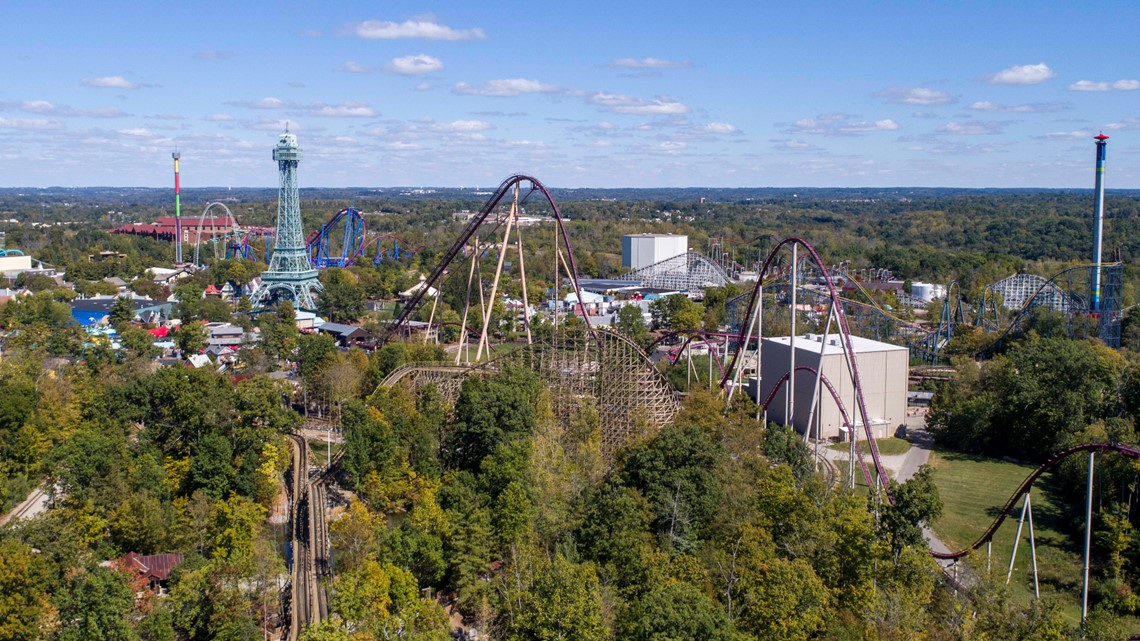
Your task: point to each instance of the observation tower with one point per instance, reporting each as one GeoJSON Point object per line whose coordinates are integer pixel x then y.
{"type": "Point", "coordinates": [290, 275]}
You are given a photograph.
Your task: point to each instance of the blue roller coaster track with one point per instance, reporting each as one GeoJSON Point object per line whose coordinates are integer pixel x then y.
{"type": "Point", "coordinates": [340, 241]}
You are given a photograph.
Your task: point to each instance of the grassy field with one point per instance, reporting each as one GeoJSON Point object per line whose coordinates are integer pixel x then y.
{"type": "Point", "coordinates": [973, 491]}
{"type": "Point", "coordinates": [318, 452]}
{"type": "Point", "coordinates": [887, 446]}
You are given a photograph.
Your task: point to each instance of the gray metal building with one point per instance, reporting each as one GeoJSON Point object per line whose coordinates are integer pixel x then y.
{"type": "Point", "coordinates": [643, 250]}
{"type": "Point", "coordinates": [883, 371]}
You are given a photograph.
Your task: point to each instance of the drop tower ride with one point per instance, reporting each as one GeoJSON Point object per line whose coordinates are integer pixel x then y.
{"type": "Point", "coordinates": [1098, 221]}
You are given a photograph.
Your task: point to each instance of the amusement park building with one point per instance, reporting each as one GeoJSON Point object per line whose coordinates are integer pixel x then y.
{"type": "Point", "coordinates": [643, 250]}
{"type": "Point", "coordinates": [883, 371]}
{"type": "Point", "coordinates": [164, 228]}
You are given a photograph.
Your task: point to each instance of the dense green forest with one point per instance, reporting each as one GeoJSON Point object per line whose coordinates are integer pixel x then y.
{"type": "Point", "coordinates": [973, 236]}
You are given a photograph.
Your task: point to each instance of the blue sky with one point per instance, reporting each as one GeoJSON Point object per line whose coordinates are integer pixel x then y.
{"type": "Point", "coordinates": [622, 94]}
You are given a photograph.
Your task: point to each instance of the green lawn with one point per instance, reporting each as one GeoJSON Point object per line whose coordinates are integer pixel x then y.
{"type": "Point", "coordinates": [887, 446]}
{"type": "Point", "coordinates": [973, 490]}
{"type": "Point", "coordinates": [319, 449]}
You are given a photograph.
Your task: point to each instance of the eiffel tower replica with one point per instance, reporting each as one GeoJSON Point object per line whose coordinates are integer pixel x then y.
{"type": "Point", "coordinates": [290, 275]}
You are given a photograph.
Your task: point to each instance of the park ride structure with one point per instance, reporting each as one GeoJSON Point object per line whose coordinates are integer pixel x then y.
{"type": "Point", "coordinates": [1065, 300]}
{"type": "Point", "coordinates": [695, 271]}
{"type": "Point", "coordinates": [241, 246]}
{"type": "Point", "coordinates": [216, 243]}
{"type": "Point", "coordinates": [345, 239]}
{"type": "Point", "coordinates": [235, 241]}
{"type": "Point", "coordinates": [390, 246]}
{"type": "Point", "coordinates": [691, 271]}
{"type": "Point", "coordinates": [586, 368]}
{"type": "Point", "coordinates": [1057, 305]}
{"type": "Point", "coordinates": [339, 242]}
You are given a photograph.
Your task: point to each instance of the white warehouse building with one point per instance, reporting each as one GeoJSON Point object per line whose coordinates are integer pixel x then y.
{"type": "Point", "coordinates": [883, 372]}
{"type": "Point", "coordinates": [643, 250]}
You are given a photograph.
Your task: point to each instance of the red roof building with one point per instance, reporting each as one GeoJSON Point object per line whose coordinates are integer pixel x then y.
{"type": "Point", "coordinates": [165, 228]}
{"type": "Point", "coordinates": [154, 570]}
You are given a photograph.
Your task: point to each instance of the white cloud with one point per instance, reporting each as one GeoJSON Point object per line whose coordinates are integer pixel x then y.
{"type": "Point", "coordinates": [264, 103]}
{"type": "Point", "coordinates": [1088, 85]}
{"type": "Point", "coordinates": [973, 128]}
{"type": "Point", "coordinates": [38, 106]}
{"type": "Point", "coordinates": [384, 30]}
{"type": "Point", "coordinates": [355, 67]}
{"type": "Point", "coordinates": [30, 124]}
{"type": "Point", "coordinates": [1026, 108]}
{"type": "Point", "coordinates": [522, 144]}
{"type": "Point", "coordinates": [1067, 135]}
{"type": "Point", "coordinates": [47, 108]}
{"type": "Point", "coordinates": [879, 125]}
{"type": "Point", "coordinates": [722, 128]}
{"type": "Point", "coordinates": [1119, 85]}
{"type": "Point", "coordinates": [649, 63]}
{"type": "Point", "coordinates": [1023, 75]}
{"type": "Point", "coordinates": [111, 82]}
{"type": "Point", "coordinates": [461, 126]}
{"type": "Point", "coordinates": [504, 88]}
{"type": "Point", "coordinates": [346, 110]}
{"type": "Point", "coordinates": [919, 96]}
{"type": "Point", "coordinates": [137, 132]}
{"type": "Point", "coordinates": [220, 118]}
{"type": "Point", "coordinates": [414, 65]}
{"type": "Point", "coordinates": [603, 129]}
{"type": "Point", "coordinates": [629, 105]}
{"type": "Point", "coordinates": [1126, 123]}
{"type": "Point", "coordinates": [671, 147]}
{"type": "Point", "coordinates": [840, 124]}
{"type": "Point", "coordinates": [424, 86]}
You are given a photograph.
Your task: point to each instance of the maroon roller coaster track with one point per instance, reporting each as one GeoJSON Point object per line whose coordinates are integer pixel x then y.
{"type": "Point", "coordinates": [1053, 462]}
{"type": "Point", "coordinates": [690, 335]}
{"type": "Point", "coordinates": [845, 333]}
{"type": "Point", "coordinates": [469, 231]}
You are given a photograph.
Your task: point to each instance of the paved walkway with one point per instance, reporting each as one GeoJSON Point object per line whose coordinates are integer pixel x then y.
{"type": "Point", "coordinates": [36, 503]}
{"type": "Point", "coordinates": [902, 467]}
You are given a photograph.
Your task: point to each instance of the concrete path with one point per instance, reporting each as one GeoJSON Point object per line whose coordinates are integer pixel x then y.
{"type": "Point", "coordinates": [902, 467]}
{"type": "Point", "coordinates": [36, 503]}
